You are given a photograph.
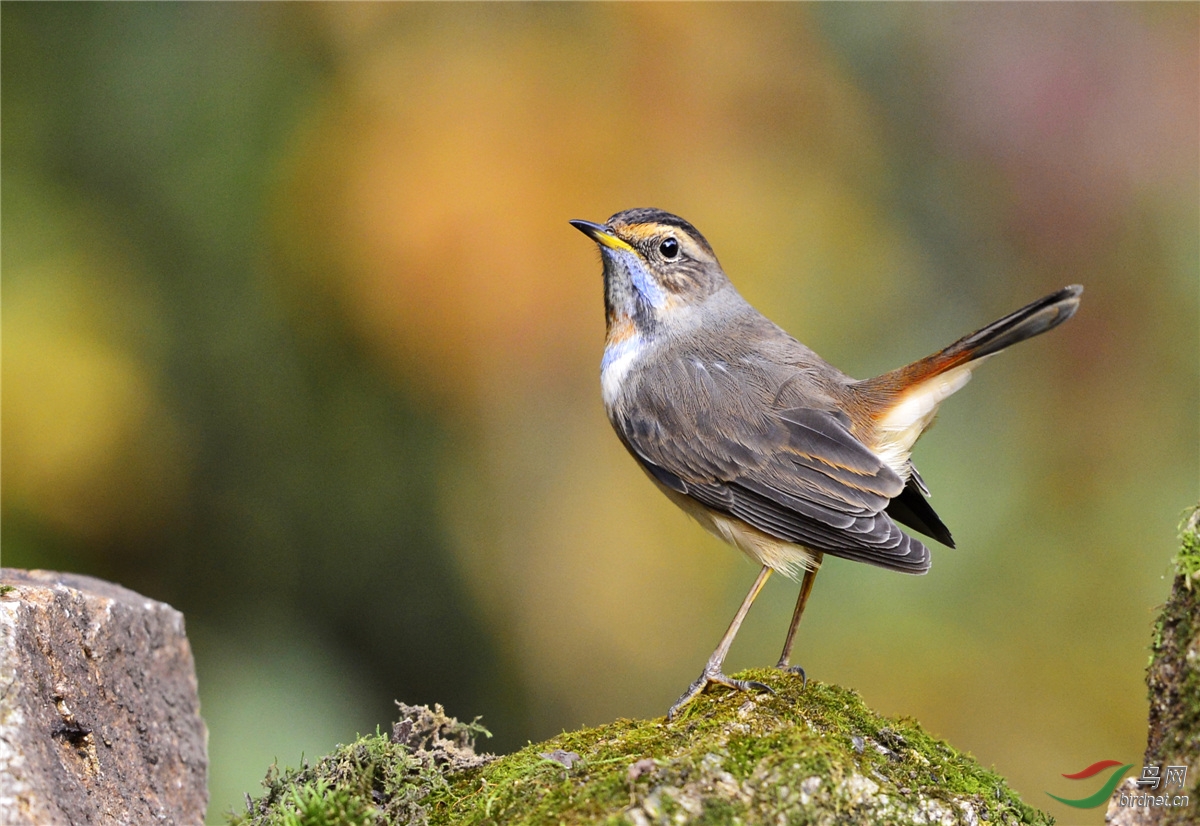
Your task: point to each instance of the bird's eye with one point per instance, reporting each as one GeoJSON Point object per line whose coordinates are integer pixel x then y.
{"type": "Point", "coordinates": [669, 248]}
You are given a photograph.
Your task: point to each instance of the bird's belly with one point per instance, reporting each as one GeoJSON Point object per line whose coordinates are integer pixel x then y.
{"type": "Point", "coordinates": [780, 555]}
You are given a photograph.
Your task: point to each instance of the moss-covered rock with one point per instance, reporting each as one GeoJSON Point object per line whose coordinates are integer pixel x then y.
{"type": "Point", "coordinates": [1173, 681]}
{"type": "Point", "coordinates": [802, 755]}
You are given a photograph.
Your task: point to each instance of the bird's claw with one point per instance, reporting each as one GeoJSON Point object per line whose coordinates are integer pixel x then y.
{"type": "Point", "coordinates": [750, 685]}
{"type": "Point", "coordinates": [714, 678]}
{"type": "Point", "coordinates": [794, 669]}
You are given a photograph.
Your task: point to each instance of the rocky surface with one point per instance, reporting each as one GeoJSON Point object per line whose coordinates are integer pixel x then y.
{"type": "Point", "coordinates": [1173, 680]}
{"type": "Point", "coordinates": [99, 716]}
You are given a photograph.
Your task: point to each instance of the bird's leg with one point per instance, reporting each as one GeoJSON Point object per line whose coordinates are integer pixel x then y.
{"type": "Point", "coordinates": [806, 586]}
{"type": "Point", "coordinates": [712, 669]}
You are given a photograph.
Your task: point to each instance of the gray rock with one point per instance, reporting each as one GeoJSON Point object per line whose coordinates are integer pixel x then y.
{"type": "Point", "coordinates": [99, 716]}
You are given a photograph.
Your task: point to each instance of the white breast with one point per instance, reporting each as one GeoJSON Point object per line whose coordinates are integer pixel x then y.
{"type": "Point", "coordinates": [619, 358]}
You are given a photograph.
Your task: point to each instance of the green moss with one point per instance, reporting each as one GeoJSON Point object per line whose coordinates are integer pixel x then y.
{"type": "Point", "coordinates": [369, 781]}
{"type": "Point", "coordinates": [1173, 677]}
{"type": "Point", "coordinates": [1187, 561]}
{"type": "Point", "coordinates": [814, 755]}
{"type": "Point", "coordinates": [317, 804]}
{"type": "Point", "coordinates": [1187, 571]}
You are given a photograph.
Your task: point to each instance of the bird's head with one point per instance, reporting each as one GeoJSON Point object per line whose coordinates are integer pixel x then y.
{"type": "Point", "coordinates": [656, 266]}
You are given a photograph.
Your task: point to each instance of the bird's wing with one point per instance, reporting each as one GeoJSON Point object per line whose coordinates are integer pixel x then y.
{"type": "Point", "coordinates": [797, 474]}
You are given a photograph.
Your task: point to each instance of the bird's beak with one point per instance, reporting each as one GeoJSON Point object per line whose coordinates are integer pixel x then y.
{"type": "Point", "coordinates": [601, 235]}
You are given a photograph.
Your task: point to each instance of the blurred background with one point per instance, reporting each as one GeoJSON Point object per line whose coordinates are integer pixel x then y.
{"type": "Point", "coordinates": [296, 337]}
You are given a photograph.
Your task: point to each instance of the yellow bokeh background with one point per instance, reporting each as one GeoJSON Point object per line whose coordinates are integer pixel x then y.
{"type": "Point", "coordinates": [296, 337]}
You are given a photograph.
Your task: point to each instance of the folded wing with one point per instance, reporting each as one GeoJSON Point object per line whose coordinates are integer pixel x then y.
{"type": "Point", "coordinates": [796, 474]}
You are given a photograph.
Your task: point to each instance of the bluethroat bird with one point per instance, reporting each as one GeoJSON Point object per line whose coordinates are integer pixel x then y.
{"type": "Point", "coordinates": [753, 434]}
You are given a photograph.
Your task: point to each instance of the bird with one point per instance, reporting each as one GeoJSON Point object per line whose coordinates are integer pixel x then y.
{"type": "Point", "coordinates": [765, 444]}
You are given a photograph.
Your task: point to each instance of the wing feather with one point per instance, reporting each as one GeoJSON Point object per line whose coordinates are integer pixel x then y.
{"type": "Point", "coordinates": [798, 474]}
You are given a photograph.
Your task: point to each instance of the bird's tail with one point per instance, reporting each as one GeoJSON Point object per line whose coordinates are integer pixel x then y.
{"type": "Point", "coordinates": [903, 402]}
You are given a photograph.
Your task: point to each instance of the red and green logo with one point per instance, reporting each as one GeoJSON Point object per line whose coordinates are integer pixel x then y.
{"type": "Point", "coordinates": [1104, 792]}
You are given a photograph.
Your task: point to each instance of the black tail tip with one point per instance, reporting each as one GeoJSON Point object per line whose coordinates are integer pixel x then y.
{"type": "Point", "coordinates": [1073, 291]}
{"type": "Point", "coordinates": [1067, 300]}
{"type": "Point", "coordinates": [1031, 320]}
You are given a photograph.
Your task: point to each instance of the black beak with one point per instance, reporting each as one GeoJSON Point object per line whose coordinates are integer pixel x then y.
{"type": "Point", "coordinates": [588, 228]}
{"type": "Point", "coordinates": [601, 234]}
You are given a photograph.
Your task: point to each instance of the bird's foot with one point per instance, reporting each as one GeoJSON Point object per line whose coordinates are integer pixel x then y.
{"type": "Point", "coordinates": [714, 676]}
{"type": "Point", "coordinates": [782, 665]}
